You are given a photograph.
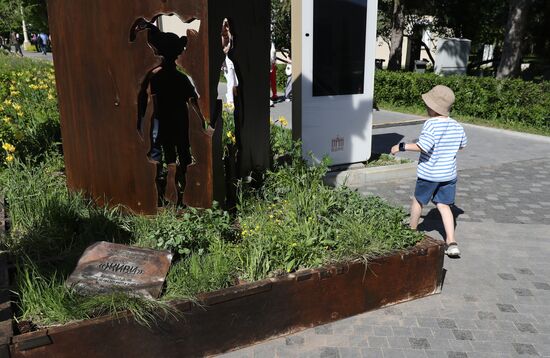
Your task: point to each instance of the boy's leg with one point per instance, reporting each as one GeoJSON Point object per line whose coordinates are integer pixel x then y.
{"type": "Point", "coordinates": [448, 222]}
{"type": "Point", "coordinates": [416, 211]}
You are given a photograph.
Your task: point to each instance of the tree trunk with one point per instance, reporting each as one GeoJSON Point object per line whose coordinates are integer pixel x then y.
{"type": "Point", "coordinates": [510, 62]}
{"type": "Point", "coordinates": [397, 29]}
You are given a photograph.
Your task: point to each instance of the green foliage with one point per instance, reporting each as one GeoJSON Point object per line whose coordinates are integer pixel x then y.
{"type": "Point", "coordinates": [189, 232]}
{"type": "Point", "coordinates": [229, 138]}
{"type": "Point", "coordinates": [281, 77]}
{"type": "Point", "coordinates": [29, 117]}
{"type": "Point", "coordinates": [49, 221]}
{"type": "Point", "coordinates": [505, 101]}
{"type": "Point", "coordinates": [34, 11]}
{"type": "Point", "coordinates": [295, 221]}
{"type": "Point", "coordinates": [202, 273]}
{"type": "Point", "coordinates": [10, 15]}
{"type": "Point", "coordinates": [378, 160]}
{"type": "Point", "coordinates": [281, 24]}
{"type": "Point", "coordinates": [281, 137]}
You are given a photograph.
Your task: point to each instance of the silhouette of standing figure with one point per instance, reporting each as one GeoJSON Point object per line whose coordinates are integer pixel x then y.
{"type": "Point", "coordinates": [170, 91]}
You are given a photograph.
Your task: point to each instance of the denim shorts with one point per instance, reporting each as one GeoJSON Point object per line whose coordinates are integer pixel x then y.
{"type": "Point", "coordinates": [438, 193]}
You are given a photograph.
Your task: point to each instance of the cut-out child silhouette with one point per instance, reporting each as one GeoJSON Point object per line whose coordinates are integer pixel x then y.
{"type": "Point", "coordinates": [170, 90]}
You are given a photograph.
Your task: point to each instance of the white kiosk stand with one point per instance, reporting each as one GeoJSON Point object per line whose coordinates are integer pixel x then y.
{"type": "Point", "coordinates": [333, 45]}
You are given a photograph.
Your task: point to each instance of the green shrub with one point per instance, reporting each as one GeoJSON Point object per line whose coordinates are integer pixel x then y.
{"type": "Point", "coordinates": [505, 101]}
{"type": "Point", "coordinates": [184, 233]}
{"type": "Point", "coordinates": [281, 77]}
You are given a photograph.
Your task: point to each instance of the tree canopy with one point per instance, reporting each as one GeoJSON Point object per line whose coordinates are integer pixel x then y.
{"type": "Point", "coordinates": [281, 24]}
{"type": "Point", "coordinates": [483, 22]}
{"type": "Point", "coordinates": [34, 12]}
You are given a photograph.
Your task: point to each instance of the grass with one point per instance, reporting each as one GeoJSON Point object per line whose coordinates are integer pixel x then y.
{"type": "Point", "coordinates": [291, 222]}
{"type": "Point", "coordinates": [44, 299]}
{"type": "Point", "coordinates": [379, 160]}
{"type": "Point", "coordinates": [512, 125]}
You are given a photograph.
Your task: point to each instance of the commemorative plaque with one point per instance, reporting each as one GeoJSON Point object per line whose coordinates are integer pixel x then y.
{"type": "Point", "coordinates": [106, 267]}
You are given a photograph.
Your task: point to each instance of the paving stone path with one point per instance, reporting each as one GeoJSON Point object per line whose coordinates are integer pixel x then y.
{"type": "Point", "coordinates": [495, 300]}
{"type": "Point", "coordinates": [517, 192]}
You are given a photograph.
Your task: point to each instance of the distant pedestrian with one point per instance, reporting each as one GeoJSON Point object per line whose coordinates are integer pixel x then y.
{"type": "Point", "coordinates": [440, 140]}
{"type": "Point", "coordinates": [34, 42]}
{"type": "Point", "coordinates": [288, 87]}
{"type": "Point", "coordinates": [273, 74]}
{"type": "Point", "coordinates": [4, 44]}
{"type": "Point", "coordinates": [43, 43]}
{"type": "Point", "coordinates": [228, 67]}
{"type": "Point", "coordinates": [14, 41]}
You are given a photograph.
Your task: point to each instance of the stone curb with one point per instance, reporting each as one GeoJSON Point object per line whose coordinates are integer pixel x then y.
{"type": "Point", "coordinates": [355, 178]}
{"type": "Point", "coordinates": [400, 123]}
{"type": "Point", "coordinates": [538, 137]}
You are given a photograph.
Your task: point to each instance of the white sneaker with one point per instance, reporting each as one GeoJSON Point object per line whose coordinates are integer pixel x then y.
{"type": "Point", "coordinates": [452, 250]}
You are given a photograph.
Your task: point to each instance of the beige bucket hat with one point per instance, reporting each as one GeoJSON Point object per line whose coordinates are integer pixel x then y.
{"type": "Point", "coordinates": [440, 99]}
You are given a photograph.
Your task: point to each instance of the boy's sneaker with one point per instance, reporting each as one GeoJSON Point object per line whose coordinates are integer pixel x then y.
{"type": "Point", "coordinates": [452, 250]}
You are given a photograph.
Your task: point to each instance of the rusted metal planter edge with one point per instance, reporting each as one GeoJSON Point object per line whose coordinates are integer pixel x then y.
{"type": "Point", "coordinates": [243, 315]}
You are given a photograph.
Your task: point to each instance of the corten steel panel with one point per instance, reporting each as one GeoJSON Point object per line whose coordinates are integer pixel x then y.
{"type": "Point", "coordinates": [99, 73]}
{"type": "Point", "coordinates": [246, 314]}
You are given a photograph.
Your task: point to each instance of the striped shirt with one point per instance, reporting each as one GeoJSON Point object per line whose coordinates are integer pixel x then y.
{"type": "Point", "coordinates": [440, 140]}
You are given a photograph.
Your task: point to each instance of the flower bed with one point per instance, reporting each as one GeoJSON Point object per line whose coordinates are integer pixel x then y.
{"type": "Point", "coordinates": [289, 222]}
{"type": "Point", "coordinates": [245, 314]}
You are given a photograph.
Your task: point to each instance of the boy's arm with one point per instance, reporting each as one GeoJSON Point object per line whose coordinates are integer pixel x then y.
{"type": "Point", "coordinates": [411, 147]}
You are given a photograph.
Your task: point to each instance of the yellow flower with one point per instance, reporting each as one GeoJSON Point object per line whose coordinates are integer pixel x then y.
{"type": "Point", "coordinates": [50, 97]}
{"type": "Point", "coordinates": [283, 121]}
{"type": "Point", "coordinates": [6, 119]}
{"type": "Point", "coordinates": [20, 114]}
{"type": "Point", "coordinates": [7, 102]}
{"type": "Point", "coordinates": [8, 147]}
{"type": "Point", "coordinates": [16, 106]}
{"type": "Point", "coordinates": [9, 158]}
{"type": "Point", "coordinates": [229, 107]}
{"type": "Point", "coordinates": [12, 88]}
{"type": "Point", "coordinates": [14, 93]}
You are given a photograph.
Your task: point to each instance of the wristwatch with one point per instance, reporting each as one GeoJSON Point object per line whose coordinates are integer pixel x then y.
{"type": "Point", "coordinates": [402, 147]}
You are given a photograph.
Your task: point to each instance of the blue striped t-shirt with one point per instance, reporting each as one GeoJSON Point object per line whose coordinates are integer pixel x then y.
{"type": "Point", "coordinates": [440, 140]}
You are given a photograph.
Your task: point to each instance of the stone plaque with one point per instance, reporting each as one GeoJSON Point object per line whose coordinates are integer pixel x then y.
{"type": "Point", "coordinates": [106, 267]}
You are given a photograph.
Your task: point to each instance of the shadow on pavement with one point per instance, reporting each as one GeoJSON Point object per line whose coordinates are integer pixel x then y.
{"type": "Point", "coordinates": [432, 220]}
{"type": "Point", "coordinates": [382, 143]}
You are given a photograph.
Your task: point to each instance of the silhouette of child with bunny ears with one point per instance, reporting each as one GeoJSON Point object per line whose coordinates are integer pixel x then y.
{"type": "Point", "coordinates": [170, 91]}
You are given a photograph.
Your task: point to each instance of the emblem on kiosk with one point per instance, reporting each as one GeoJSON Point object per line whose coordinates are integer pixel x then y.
{"type": "Point", "coordinates": [337, 144]}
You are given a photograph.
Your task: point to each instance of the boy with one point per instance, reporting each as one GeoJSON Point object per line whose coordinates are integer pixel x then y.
{"type": "Point", "coordinates": [441, 138]}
